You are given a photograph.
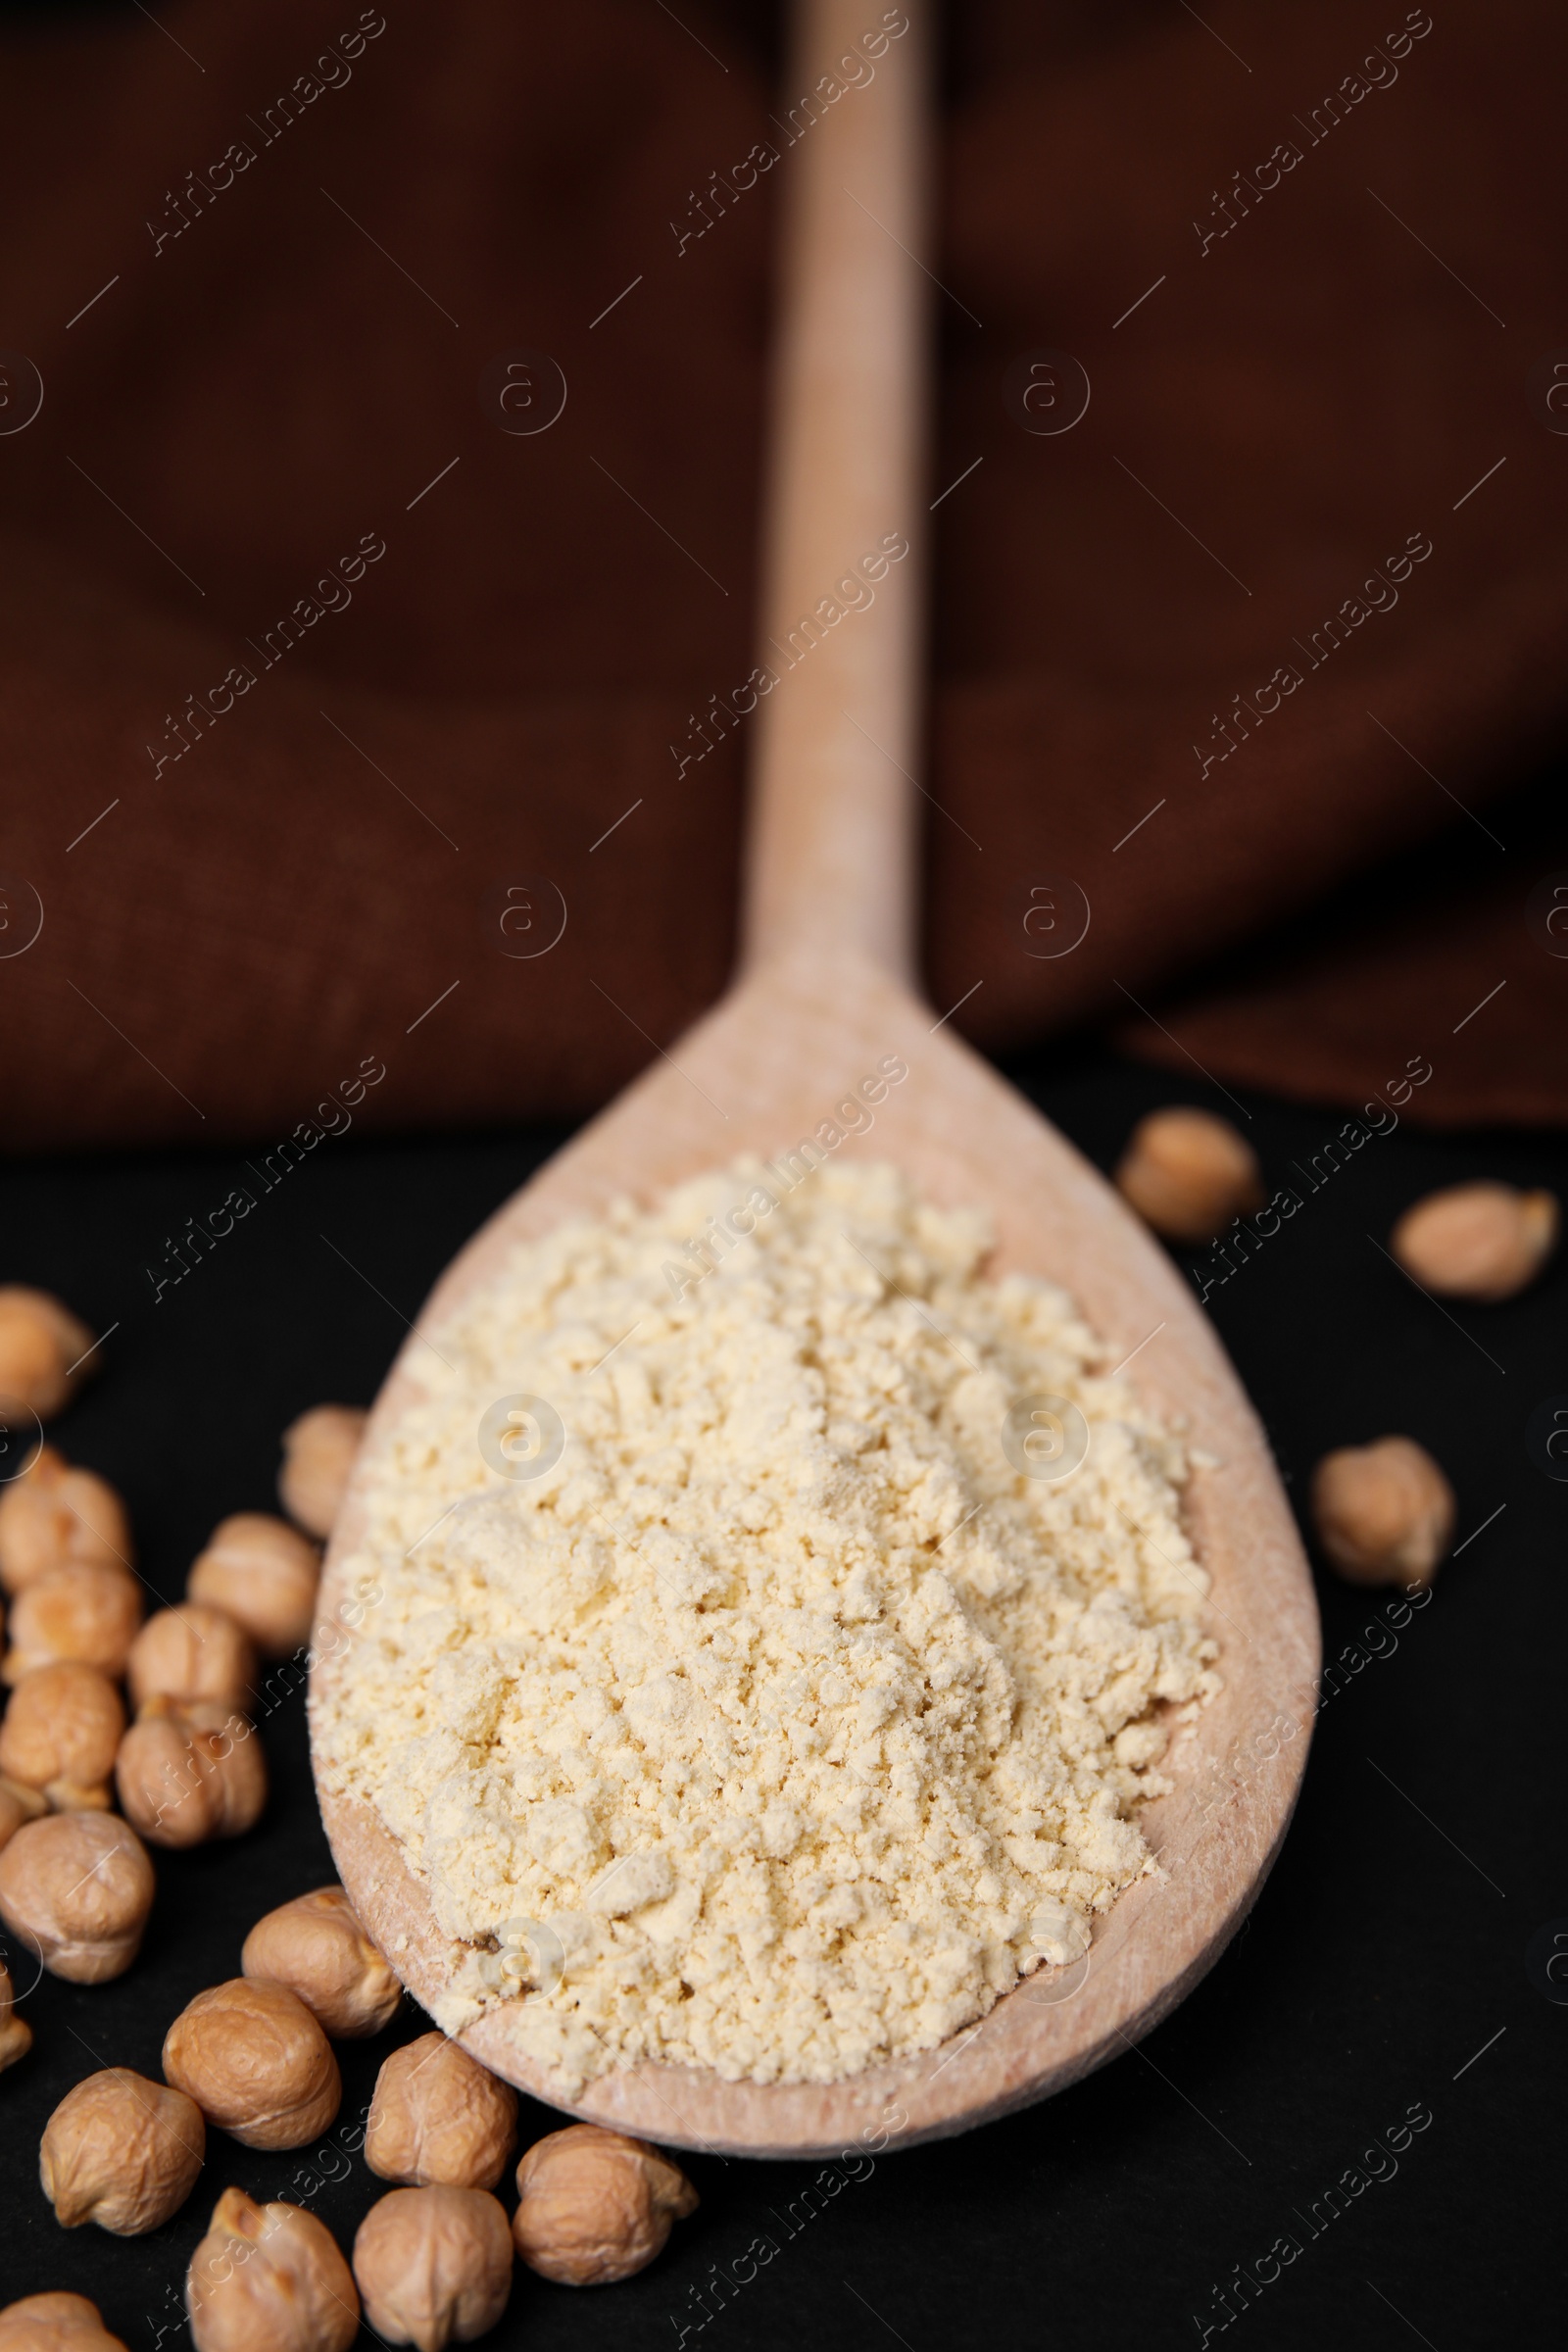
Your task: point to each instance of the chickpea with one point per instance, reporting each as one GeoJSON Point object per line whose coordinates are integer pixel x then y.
{"type": "Point", "coordinates": [192, 1652]}
{"type": "Point", "coordinates": [1477, 1240]}
{"type": "Point", "coordinates": [17, 1803]}
{"type": "Point", "coordinates": [122, 2152]}
{"type": "Point", "coordinates": [89, 1613]}
{"type": "Point", "coordinates": [44, 1351]}
{"type": "Point", "coordinates": [256, 2062]}
{"type": "Point", "coordinates": [55, 2323]}
{"type": "Point", "coordinates": [16, 2034]}
{"type": "Point", "coordinates": [60, 1735]}
{"type": "Point", "coordinates": [1384, 1512]}
{"type": "Point", "coordinates": [319, 1451]}
{"type": "Point", "coordinates": [269, 2279]}
{"type": "Point", "coordinates": [52, 1516]}
{"type": "Point", "coordinates": [189, 1774]}
{"type": "Point", "coordinates": [594, 2206]}
{"type": "Point", "coordinates": [438, 2117]}
{"type": "Point", "coordinates": [316, 1946]}
{"type": "Point", "coordinates": [77, 1888]}
{"type": "Point", "coordinates": [264, 1574]}
{"type": "Point", "coordinates": [1188, 1173]}
{"type": "Point", "coordinates": [434, 2266]}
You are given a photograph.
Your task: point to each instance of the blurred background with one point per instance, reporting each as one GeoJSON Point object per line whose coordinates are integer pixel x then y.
{"type": "Point", "coordinates": [1234, 312]}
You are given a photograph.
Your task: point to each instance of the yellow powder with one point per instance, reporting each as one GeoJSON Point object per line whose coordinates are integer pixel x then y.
{"type": "Point", "coordinates": [789, 1716]}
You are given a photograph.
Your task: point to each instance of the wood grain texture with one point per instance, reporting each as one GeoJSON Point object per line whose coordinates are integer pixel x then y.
{"type": "Point", "coordinates": [832, 822]}
{"type": "Point", "coordinates": [823, 999]}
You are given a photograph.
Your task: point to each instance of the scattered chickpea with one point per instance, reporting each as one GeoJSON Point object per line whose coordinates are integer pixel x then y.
{"type": "Point", "coordinates": [1477, 1240]}
{"type": "Point", "coordinates": [256, 2062]}
{"type": "Point", "coordinates": [44, 1351]}
{"type": "Point", "coordinates": [434, 2266]}
{"type": "Point", "coordinates": [17, 1803]}
{"type": "Point", "coordinates": [319, 1451]}
{"type": "Point", "coordinates": [269, 2279]}
{"type": "Point", "coordinates": [316, 1946]}
{"type": "Point", "coordinates": [192, 1652]}
{"type": "Point", "coordinates": [438, 2117]}
{"type": "Point", "coordinates": [595, 2206]}
{"type": "Point", "coordinates": [1384, 1512]}
{"type": "Point", "coordinates": [55, 2323]}
{"type": "Point", "coordinates": [121, 2151]}
{"type": "Point", "coordinates": [16, 2034]}
{"type": "Point", "coordinates": [189, 1774]}
{"type": "Point", "coordinates": [88, 1612]}
{"type": "Point", "coordinates": [1188, 1173]}
{"type": "Point", "coordinates": [77, 1888]}
{"type": "Point", "coordinates": [60, 1735]}
{"type": "Point", "coordinates": [54, 1516]}
{"type": "Point", "coordinates": [264, 1574]}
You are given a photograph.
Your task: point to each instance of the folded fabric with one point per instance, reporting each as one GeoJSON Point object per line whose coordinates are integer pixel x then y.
{"type": "Point", "coordinates": [383, 402]}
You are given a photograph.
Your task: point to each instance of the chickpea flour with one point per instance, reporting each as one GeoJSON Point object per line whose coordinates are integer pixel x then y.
{"type": "Point", "coordinates": [785, 1708]}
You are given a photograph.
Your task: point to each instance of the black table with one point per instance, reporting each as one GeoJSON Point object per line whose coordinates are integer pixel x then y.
{"type": "Point", "coordinates": [1398, 1966]}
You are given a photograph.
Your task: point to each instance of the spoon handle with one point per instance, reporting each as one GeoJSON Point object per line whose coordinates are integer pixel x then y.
{"type": "Point", "coordinates": [830, 867]}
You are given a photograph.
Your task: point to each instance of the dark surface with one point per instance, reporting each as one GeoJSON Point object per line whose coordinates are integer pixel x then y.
{"type": "Point", "coordinates": [1389, 1948]}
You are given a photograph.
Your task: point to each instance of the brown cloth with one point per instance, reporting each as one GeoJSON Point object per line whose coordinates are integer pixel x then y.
{"type": "Point", "coordinates": [311, 657]}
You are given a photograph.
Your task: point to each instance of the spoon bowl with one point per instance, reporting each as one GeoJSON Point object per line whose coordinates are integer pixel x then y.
{"type": "Point", "coordinates": [966, 1139]}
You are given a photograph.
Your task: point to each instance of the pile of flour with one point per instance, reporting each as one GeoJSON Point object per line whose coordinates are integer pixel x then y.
{"type": "Point", "coordinates": [783, 1722]}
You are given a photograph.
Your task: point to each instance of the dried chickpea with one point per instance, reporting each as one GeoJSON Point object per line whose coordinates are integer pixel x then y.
{"type": "Point", "coordinates": [316, 1946]}
{"type": "Point", "coordinates": [60, 1735]}
{"type": "Point", "coordinates": [17, 1803]}
{"type": "Point", "coordinates": [77, 1888]}
{"type": "Point", "coordinates": [434, 2266]}
{"type": "Point", "coordinates": [189, 1774]}
{"type": "Point", "coordinates": [1188, 1173]}
{"type": "Point", "coordinates": [264, 1574]}
{"type": "Point", "coordinates": [192, 1652]}
{"type": "Point", "coordinates": [269, 2279]}
{"type": "Point", "coordinates": [44, 1351]}
{"type": "Point", "coordinates": [1384, 1512]}
{"type": "Point", "coordinates": [256, 2062]}
{"type": "Point", "coordinates": [1477, 1240]}
{"type": "Point", "coordinates": [89, 1613]}
{"type": "Point", "coordinates": [595, 2206]}
{"type": "Point", "coordinates": [319, 1451]}
{"type": "Point", "coordinates": [121, 2151]}
{"type": "Point", "coordinates": [438, 2117]}
{"type": "Point", "coordinates": [55, 2323]}
{"type": "Point", "coordinates": [54, 1516]}
{"type": "Point", "coordinates": [16, 2034]}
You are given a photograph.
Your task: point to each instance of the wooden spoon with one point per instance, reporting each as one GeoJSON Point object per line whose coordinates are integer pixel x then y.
{"type": "Point", "coordinates": [825, 993]}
